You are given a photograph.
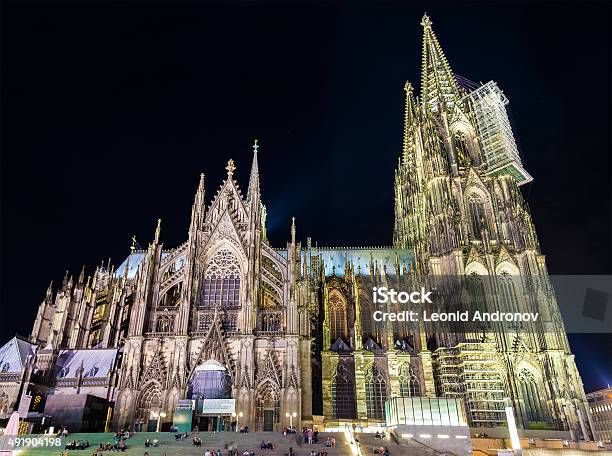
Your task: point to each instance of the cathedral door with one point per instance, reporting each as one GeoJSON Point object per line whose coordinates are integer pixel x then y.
{"type": "Point", "coordinates": [268, 420]}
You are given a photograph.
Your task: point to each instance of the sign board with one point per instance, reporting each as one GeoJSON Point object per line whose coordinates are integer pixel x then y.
{"type": "Point", "coordinates": [183, 414]}
{"type": "Point", "coordinates": [218, 406]}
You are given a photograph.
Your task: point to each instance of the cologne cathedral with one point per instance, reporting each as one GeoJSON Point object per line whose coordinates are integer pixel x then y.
{"type": "Point", "coordinates": [289, 331]}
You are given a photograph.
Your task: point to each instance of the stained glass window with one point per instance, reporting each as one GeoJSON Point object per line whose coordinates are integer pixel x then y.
{"type": "Point", "coordinates": [337, 317]}
{"type": "Point", "coordinates": [343, 391]}
{"type": "Point", "coordinates": [477, 214]}
{"type": "Point", "coordinates": [376, 393]}
{"type": "Point", "coordinates": [222, 281]}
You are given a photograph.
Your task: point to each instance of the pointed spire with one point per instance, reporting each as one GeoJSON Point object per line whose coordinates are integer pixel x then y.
{"type": "Point", "coordinates": [293, 230]}
{"type": "Point", "coordinates": [200, 191]}
{"type": "Point", "coordinates": [438, 86]}
{"type": "Point", "coordinates": [82, 275]}
{"type": "Point", "coordinates": [254, 178]}
{"type": "Point", "coordinates": [197, 210]}
{"type": "Point", "coordinates": [50, 291]}
{"type": "Point", "coordinates": [408, 117]}
{"type": "Point", "coordinates": [157, 231]}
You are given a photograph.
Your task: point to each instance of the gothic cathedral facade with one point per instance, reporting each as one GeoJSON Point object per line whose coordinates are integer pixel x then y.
{"type": "Point", "coordinates": [289, 331]}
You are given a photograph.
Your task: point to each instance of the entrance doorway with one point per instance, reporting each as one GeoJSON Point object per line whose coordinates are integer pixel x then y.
{"type": "Point", "coordinates": [152, 424]}
{"type": "Point", "coordinates": [268, 424]}
{"type": "Point", "coordinates": [218, 423]}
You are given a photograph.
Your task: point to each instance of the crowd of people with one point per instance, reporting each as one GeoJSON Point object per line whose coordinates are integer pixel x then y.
{"type": "Point", "coordinates": [310, 436]}
{"type": "Point", "coordinates": [77, 445]}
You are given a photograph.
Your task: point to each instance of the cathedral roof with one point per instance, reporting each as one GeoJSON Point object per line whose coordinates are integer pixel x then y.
{"type": "Point", "coordinates": [14, 353]}
{"type": "Point", "coordinates": [132, 262]}
{"type": "Point", "coordinates": [95, 362]}
{"type": "Point", "coordinates": [336, 258]}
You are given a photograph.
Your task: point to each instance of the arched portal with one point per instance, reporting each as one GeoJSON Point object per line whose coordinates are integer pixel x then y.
{"type": "Point", "coordinates": [149, 404]}
{"type": "Point", "coordinates": [267, 407]}
{"type": "Point", "coordinates": [210, 382]}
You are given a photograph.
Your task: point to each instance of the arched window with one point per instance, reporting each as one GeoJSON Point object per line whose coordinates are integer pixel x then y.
{"type": "Point", "coordinates": [409, 383]}
{"type": "Point", "coordinates": [507, 293]}
{"type": "Point", "coordinates": [531, 397]}
{"type": "Point", "coordinates": [476, 210]}
{"type": "Point", "coordinates": [366, 311]}
{"type": "Point", "coordinates": [461, 147]}
{"type": "Point", "coordinates": [476, 291]}
{"type": "Point", "coordinates": [165, 324]}
{"type": "Point", "coordinates": [376, 393]}
{"type": "Point", "coordinates": [222, 281]}
{"type": "Point", "coordinates": [271, 322]}
{"type": "Point", "coordinates": [337, 317]}
{"type": "Point", "coordinates": [343, 390]}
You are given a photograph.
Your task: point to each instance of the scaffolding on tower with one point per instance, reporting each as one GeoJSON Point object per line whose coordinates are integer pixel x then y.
{"type": "Point", "coordinates": [497, 142]}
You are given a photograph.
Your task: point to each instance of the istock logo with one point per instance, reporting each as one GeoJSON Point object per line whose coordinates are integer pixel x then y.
{"type": "Point", "coordinates": [383, 295]}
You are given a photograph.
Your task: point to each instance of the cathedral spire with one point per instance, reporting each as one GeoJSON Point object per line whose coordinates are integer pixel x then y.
{"type": "Point", "coordinates": [438, 86]}
{"type": "Point", "coordinates": [408, 117]}
{"type": "Point", "coordinates": [254, 178]}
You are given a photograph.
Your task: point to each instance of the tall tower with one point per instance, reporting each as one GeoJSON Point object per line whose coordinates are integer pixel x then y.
{"type": "Point", "coordinates": [459, 207]}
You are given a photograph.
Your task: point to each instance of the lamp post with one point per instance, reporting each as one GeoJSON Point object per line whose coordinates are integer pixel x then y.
{"type": "Point", "coordinates": [159, 416]}
{"type": "Point", "coordinates": [291, 416]}
{"type": "Point", "coordinates": [237, 416]}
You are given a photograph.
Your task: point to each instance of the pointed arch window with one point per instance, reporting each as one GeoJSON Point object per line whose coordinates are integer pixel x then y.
{"type": "Point", "coordinates": [409, 383]}
{"type": "Point", "coordinates": [343, 390]}
{"type": "Point", "coordinates": [476, 291]}
{"type": "Point", "coordinates": [476, 208]}
{"type": "Point", "coordinates": [376, 393]}
{"type": "Point", "coordinates": [337, 317]}
{"type": "Point", "coordinates": [507, 293]}
{"type": "Point", "coordinates": [531, 396]}
{"type": "Point", "coordinates": [366, 310]}
{"type": "Point", "coordinates": [165, 324]}
{"type": "Point", "coordinates": [221, 285]}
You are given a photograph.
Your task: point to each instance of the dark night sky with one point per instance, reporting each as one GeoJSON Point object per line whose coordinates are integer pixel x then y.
{"type": "Point", "coordinates": [110, 112]}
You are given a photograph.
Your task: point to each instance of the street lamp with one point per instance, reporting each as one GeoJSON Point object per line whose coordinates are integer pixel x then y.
{"type": "Point", "coordinates": [159, 416]}
{"type": "Point", "coordinates": [239, 415]}
{"type": "Point", "coordinates": [291, 416]}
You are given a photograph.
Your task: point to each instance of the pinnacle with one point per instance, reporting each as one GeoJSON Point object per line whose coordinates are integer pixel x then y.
{"type": "Point", "coordinates": [426, 22]}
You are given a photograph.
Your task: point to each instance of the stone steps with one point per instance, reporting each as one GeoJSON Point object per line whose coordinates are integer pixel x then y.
{"type": "Point", "coordinates": [368, 442]}
{"type": "Point", "coordinates": [210, 440]}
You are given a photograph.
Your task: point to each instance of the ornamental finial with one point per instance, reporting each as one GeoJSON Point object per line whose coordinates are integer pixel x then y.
{"type": "Point", "coordinates": [408, 87]}
{"type": "Point", "coordinates": [426, 22]}
{"type": "Point", "coordinates": [255, 146]}
{"type": "Point", "coordinates": [230, 167]}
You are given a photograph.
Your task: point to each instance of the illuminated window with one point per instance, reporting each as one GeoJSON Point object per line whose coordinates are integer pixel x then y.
{"type": "Point", "coordinates": [222, 281]}
{"type": "Point", "coordinates": [409, 383]}
{"type": "Point", "coordinates": [376, 393]}
{"type": "Point", "coordinates": [531, 397]}
{"type": "Point", "coordinates": [337, 317]}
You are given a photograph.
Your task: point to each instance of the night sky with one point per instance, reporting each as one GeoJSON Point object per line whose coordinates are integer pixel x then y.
{"type": "Point", "coordinates": [110, 112]}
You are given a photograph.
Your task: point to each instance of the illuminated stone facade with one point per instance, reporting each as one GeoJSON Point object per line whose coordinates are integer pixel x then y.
{"type": "Point", "coordinates": [290, 329]}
